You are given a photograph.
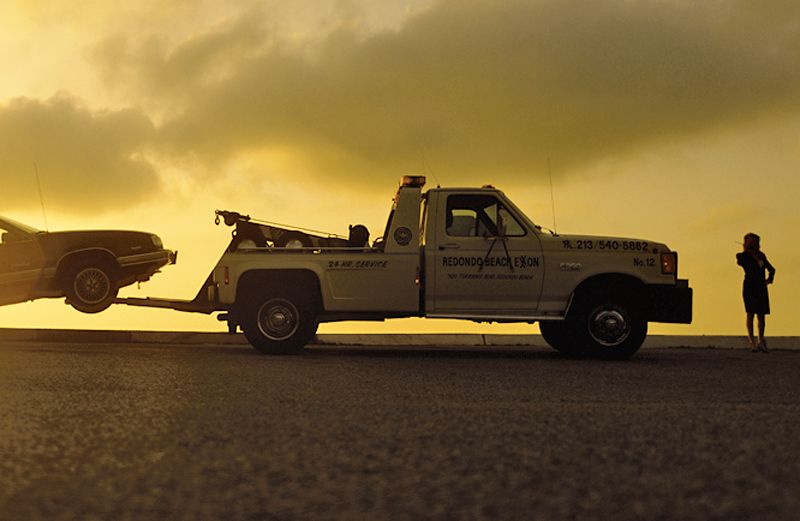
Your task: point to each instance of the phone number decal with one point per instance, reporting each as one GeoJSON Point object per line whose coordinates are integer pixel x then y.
{"type": "Point", "coordinates": [603, 244]}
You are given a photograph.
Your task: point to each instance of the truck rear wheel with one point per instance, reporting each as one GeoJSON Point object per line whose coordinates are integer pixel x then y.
{"type": "Point", "coordinates": [606, 325]}
{"type": "Point", "coordinates": [279, 324]}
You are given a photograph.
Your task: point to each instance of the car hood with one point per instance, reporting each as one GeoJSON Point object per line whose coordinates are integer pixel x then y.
{"type": "Point", "coordinates": [119, 242]}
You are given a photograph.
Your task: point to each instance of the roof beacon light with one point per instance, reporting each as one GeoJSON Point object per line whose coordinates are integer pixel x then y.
{"type": "Point", "coordinates": [412, 181]}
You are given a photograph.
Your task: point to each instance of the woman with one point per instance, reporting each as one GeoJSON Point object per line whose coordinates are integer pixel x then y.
{"type": "Point", "coordinates": [754, 291]}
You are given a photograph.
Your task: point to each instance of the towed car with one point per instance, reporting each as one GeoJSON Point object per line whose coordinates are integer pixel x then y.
{"type": "Point", "coordinates": [86, 267]}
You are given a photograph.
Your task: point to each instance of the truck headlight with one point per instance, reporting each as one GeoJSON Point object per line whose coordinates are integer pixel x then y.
{"type": "Point", "coordinates": [156, 241]}
{"type": "Point", "coordinates": [669, 263]}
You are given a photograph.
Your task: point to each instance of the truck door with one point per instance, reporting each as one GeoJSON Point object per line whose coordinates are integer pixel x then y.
{"type": "Point", "coordinates": [485, 261]}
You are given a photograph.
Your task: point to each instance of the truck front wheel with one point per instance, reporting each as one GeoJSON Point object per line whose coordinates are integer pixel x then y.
{"type": "Point", "coordinates": [556, 334]}
{"type": "Point", "coordinates": [279, 325]}
{"type": "Point", "coordinates": [607, 326]}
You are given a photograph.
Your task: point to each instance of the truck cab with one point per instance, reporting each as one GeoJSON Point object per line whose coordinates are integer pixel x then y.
{"type": "Point", "coordinates": [483, 260]}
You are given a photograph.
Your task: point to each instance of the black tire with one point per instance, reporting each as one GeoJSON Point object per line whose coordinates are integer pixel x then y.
{"type": "Point", "coordinates": [279, 324]}
{"type": "Point", "coordinates": [607, 325]}
{"type": "Point", "coordinates": [556, 334]}
{"type": "Point", "coordinates": [293, 239]}
{"type": "Point", "coordinates": [90, 286]}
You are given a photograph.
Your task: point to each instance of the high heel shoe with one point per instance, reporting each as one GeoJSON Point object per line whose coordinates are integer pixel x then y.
{"type": "Point", "coordinates": [762, 346]}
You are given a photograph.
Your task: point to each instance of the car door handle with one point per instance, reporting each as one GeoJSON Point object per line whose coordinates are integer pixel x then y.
{"type": "Point", "coordinates": [449, 246]}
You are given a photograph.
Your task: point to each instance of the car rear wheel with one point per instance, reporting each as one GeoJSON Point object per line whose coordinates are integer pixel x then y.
{"type": "Point", "coordinates": [279, 324]}
{"type": "Point", "coordinates": [90, 286]}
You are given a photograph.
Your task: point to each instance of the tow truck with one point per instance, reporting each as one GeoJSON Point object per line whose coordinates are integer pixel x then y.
{"type": "Point", "coordinates": [456, 253]}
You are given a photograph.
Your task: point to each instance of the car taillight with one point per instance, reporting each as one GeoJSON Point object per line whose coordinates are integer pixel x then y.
{"type": "Point", "coordinates": [669, 263]}
{"type": "Point", "coordinates": [226, 275]}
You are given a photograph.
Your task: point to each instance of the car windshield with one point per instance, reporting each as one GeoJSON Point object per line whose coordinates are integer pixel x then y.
{"type": "Point", "coordinates": [18, 225]}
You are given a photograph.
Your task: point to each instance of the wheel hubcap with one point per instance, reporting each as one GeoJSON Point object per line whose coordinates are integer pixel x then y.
{"type": "Point", "coordinates": [92, 285]}
{"type": "Point", "coordinates": [609, 327]}
{"type": "Point", "coordinates": [278, 319]}
{"type": "Point", "coordinates": [294, 243]}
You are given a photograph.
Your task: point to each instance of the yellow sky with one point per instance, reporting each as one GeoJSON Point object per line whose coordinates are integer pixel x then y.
{"type": "Point", "coordinates": [663, 120]}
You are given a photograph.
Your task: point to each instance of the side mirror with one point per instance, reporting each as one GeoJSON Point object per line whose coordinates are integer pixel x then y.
{"type": "Point", "coordinates": [501, 229]}
{"type": "Point", "coordinates": [501, 232]}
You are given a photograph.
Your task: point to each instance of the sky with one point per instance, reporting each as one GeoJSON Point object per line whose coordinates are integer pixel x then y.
{"type": "Point", "coordinates": [668, 120]}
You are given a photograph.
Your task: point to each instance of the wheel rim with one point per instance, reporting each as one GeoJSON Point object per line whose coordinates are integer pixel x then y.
{"type": "Point", "coordinates": [92, 285]}
{"type": "Point", "coordinates": [609, 327]}
{"type": "Point", "coordinates": [294, 243]}
{"type": "Point", "coordinates": [278, 319]}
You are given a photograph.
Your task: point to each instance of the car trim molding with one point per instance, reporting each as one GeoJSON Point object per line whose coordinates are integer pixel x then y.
{"type": "Point", "coordinates": [144, 258]}
{"type": "Point", "coordinates": [20, 276]}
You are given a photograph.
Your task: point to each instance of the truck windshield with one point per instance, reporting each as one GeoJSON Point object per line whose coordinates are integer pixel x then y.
{"type": "Point", "coordinates": [524, 217]}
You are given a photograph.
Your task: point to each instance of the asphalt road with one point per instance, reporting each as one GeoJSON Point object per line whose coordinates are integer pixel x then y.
{"type": "Point", "coordinates": [218, 432]}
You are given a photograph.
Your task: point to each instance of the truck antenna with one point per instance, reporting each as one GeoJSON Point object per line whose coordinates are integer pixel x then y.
{"type": "Point", "coordinates": [552, 196]}
{"type": "Point", "coordinates": [41, 198]}
{"type": "Point", "coordinates": [426, 166]}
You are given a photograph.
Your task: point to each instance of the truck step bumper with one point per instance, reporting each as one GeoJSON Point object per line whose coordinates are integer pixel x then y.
{"type": "Point", "coordinates": [670, 304]}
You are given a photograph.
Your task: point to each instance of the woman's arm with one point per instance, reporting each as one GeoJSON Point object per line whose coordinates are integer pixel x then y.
{"type": "Point", "coordinates": [770, 269]}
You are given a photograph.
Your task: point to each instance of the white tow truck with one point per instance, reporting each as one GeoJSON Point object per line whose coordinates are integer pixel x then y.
{"type": "Point", "coordinates": [463, 253]}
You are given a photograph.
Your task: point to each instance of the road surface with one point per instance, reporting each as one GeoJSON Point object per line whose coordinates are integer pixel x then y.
{"type": "Point", "coordinates": [138, 431]}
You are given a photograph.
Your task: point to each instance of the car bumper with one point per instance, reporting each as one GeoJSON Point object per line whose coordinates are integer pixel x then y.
{"type": "Point", "coordinates": [670, 304]}
{"type": "Point", "coordinates": [158, 258]}
{"type": "Point", "coordinates": [142, 266]}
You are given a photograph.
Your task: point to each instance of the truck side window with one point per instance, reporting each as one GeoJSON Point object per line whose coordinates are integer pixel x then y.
{"type": "Point", "coordinates": [478, 215]}
{"type": "Point", "coordinates": [461, 222]}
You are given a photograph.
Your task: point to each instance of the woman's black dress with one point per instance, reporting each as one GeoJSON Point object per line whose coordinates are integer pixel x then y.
{"type": "Point", "coordinates": [754, 290]}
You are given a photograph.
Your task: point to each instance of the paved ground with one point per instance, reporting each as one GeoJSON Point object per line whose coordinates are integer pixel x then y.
{"type": "Point", "coordinates": [101, 431]}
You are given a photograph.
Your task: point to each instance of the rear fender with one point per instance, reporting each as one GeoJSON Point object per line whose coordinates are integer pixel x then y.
{"type": "Point", "coordinates": [255, 284]}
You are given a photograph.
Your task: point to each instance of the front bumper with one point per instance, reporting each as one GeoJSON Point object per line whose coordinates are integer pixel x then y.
{"type": "Point", "coordinates": [157, 258]}
{"type": "Point", "coordinates": [670, 304]}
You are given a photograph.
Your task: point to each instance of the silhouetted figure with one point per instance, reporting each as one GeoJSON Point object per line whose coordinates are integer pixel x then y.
{"type": "Point", "coordinates": [754, 290]}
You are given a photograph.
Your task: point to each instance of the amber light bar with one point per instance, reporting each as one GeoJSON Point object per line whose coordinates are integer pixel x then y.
{"type": "Point", "coordinates": [413, 181]}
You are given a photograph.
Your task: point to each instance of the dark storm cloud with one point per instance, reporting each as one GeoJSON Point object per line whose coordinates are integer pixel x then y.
{"type": "Point", "coordinates": [144, 66]}
{"type": "Point", "coordinates": [88, 161]}
{"type": "Point", "coordinates": [496, 87]}
{"type": "Point", "coordinates": [477, 89]}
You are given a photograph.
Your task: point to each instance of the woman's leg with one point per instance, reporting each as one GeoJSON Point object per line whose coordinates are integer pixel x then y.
{"type": "Point", "coordinates": [750, 337]}
{"type": "Point", "coordinates": [762, 343]}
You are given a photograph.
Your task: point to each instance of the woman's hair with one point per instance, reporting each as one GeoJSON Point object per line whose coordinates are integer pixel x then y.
{"type": "Point", "coordinates": [752, 241]}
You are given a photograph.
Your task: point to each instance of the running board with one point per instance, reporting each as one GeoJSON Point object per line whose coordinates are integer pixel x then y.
{"type": "Point", "coordinates": [476, 317]}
